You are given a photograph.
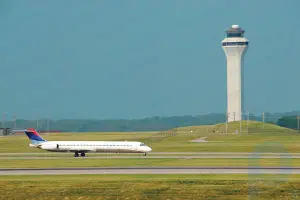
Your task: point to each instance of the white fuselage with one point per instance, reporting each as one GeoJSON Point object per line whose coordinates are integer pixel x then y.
{"type": "Point", "coordinates": [93, 146]}
{"type": "Point", "coordinates": [235, 50]}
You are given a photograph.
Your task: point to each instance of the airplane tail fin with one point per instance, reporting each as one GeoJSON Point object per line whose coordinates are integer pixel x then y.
{"type": "Point", "coordinates": [34, 137]}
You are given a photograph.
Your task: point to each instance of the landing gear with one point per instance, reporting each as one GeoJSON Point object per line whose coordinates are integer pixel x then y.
{"type": "Point", "coordinates": [145, 154]}
{"type": "Point", "coordinates": [76, 154]}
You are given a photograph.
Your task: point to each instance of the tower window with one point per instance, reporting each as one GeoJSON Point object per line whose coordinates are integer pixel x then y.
{"type": "Point", "coordinates": [234, 43]}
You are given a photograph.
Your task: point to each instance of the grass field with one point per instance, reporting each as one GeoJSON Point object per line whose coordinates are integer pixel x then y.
{"type": "Point", "coordinates": [258, 137]}
{"type": "Point", "coordinates": [130, 162]}
{"type": "Point", "coordinates": [161, 187]}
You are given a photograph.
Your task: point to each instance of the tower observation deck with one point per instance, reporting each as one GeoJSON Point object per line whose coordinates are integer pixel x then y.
{"type": "Point", "coordinates": [235, 47]}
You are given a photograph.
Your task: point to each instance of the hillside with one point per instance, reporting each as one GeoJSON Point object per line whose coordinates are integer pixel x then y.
{"type": "Point", "coordinates": [145, 124]}
{"type": "Point", "coordinates": [209, 138]}
{"type": "Point", "coordinates": [251, 127]}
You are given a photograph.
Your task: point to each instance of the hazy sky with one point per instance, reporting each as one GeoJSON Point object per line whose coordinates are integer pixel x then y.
{"type": "Point", "coordinates": [132, 59]}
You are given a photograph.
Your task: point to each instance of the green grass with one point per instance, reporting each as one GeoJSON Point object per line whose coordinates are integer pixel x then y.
{"type": "Point", "coordinates": [134, 162]}
{"type": "Point", "coordinates": [253, 127]}
{"type": "Point", "coordinates": [259, 137]}
{"type": "Point", "coordinates": [161, 187]}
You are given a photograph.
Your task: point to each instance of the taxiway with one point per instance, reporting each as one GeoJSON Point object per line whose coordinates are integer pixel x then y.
{"type": "Point", "coordinates": [151, 170]}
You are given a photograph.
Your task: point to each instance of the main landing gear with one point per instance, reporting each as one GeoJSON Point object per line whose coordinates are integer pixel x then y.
{"type": "Point", "coordinates": [76, 154]}
{"type": "Point", "coordinates": [145, 154]}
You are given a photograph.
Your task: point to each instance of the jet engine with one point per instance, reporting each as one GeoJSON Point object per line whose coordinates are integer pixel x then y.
{"type": "Point", "coordinates": [49, 146]}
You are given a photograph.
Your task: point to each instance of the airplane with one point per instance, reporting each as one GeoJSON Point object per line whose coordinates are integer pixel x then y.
{"type": "Point", "coordinates": [83, 147]}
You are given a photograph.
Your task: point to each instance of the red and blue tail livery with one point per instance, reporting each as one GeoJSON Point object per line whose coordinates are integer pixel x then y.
{"type": "Point", "coordinates": [34, 136]}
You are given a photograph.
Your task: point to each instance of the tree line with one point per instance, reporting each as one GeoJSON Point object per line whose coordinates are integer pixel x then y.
{"type": "Point", "coordinates": [155, 123]}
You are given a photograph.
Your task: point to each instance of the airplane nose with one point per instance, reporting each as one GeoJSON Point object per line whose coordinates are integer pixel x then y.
{"type": "Point", "coordinates": [149, 149]}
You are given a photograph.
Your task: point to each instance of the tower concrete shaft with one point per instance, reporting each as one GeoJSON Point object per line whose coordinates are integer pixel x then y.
{"type": "Point", "coordinates": [235, 46]}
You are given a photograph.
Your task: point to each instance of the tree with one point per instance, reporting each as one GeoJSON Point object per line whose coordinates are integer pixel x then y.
{"type": "Point", "coordinates": [288, 122]}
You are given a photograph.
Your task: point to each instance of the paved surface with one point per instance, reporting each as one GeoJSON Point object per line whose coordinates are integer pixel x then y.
{"type": "Point", "coordinates": [151, 170]}
{"type": "Point", "coordinates": [168, 153]}
{"type": "Point", "coordinates": [151, 155]}
{"type": "Point", "coordinates": [203, 139]}
{"type": "Point", "coordinates": [148, 157]}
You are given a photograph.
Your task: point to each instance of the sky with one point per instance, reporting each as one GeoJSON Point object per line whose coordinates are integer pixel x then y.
{"type": "Point", "coordinates": [103, 59]}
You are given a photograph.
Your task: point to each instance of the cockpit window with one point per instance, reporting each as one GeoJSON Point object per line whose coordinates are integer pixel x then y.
{"type": "Point", "coordinates": [142, 144]}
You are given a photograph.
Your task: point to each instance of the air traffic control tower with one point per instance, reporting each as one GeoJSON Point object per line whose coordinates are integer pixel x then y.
{"type": "Point", "coordinates": [235, 46]}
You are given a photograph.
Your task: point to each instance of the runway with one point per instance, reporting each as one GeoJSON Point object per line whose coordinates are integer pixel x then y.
{"type": "Point", "coordinates": [151, 155]}
{"type": "Point", "coordinates": [148, 157]}
{"type": "Point", "coordinates": [168, 153]}
{"type": "Point", "coordinates": [151, 170]}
